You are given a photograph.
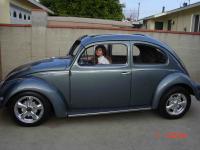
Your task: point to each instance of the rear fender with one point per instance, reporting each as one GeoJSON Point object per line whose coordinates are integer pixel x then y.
{"type": "Point", "coordinates": [170, 81]}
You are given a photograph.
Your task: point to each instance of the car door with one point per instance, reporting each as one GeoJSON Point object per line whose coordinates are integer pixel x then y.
{"type": "Point", "coordinates": [150, 66]}
{"type": "Point", "coordinates": [98, 85]}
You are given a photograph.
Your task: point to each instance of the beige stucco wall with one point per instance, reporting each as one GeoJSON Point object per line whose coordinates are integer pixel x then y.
{"type": "Point", "coordinates": [150, 25]}
{"type": "Point", "coordinates": [19, 45]}
{"type": "Point", "coordinates": [182, 19]}
{"type": "Point", "coordinates": [15, 47]}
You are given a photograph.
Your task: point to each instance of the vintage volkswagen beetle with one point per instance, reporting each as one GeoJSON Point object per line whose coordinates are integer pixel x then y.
{"type": "Point", "coordinates": [143, 74]}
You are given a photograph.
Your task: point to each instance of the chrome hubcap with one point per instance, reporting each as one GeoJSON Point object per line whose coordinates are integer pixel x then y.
{"type": "Point", "coordinates": [28, 109]}
{"type": "Point", "coordinates": [176, 104]}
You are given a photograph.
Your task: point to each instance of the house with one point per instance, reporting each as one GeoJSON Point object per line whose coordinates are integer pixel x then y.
{"type": "Point", "coordinates": [19, 11]}
{"type": "Point", "coordinates": [185, 18]}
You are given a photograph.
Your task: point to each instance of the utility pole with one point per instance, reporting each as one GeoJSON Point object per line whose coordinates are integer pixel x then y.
{"type": "Point", "coordinates": [138, 11]}
{"type": "Point", "coordinates": [189, 2]}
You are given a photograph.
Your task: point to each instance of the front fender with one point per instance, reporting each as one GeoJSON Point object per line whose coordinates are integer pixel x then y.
{"type": "Point", "coordinates": [36, 85]}
{"type": "Point", "coordinates": [169, 81]}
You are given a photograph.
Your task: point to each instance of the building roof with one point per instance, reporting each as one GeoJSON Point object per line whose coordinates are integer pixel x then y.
{"type": "Point", "coordinates": [172, 11]}
{"type": "Point", "coordinates": [40, 6]}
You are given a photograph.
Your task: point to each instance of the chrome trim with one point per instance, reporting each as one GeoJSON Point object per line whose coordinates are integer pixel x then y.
{"type": "Point", "coordinates": [126, 73]}
{"type": "Point", "coordinates": [109, 112]}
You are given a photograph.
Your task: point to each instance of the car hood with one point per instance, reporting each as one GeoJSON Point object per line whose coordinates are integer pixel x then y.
{"type": "Point", "coordinates": [50, 64]}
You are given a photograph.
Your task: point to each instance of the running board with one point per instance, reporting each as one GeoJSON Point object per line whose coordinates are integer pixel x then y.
{"type": "Point", "coordinates": [106, 112]}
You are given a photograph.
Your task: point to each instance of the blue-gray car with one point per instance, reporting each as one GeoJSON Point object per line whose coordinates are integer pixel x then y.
{"type": "Point", "coordinates": [101, 74]}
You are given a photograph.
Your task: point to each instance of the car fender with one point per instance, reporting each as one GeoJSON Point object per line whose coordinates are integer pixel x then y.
{"type": "Point", "coordinates": [40, 86]}
{"type": "Point", "coordinates": [170, 81]}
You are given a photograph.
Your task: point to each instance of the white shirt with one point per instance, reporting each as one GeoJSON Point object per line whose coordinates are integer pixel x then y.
{"type": "Point", "coordinates": [103, 60]}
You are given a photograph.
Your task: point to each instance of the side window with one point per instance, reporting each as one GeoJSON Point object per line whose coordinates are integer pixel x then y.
{"type": "Point", "coordinates": [104, 54]}
{"type": "Point", "coordinates": [119, 54]}
{"type": "Point", "coordinates": [147, 54]}
{"type": "Point", "coordinates": [87, 58]}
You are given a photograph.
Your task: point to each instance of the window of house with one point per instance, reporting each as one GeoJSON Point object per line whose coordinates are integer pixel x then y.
{"type": "Point", "coordinates": [196, 23]}
{"type": "Point", "coordinates": [14, 14]}
{"type": "Point", "coordinates": [169, 25]}
{"type": "Point", "coordinates": [158, 25]}
{"type": "Point", "coordinates": [112, 54]}
{"type": "Point", "coordinates": [24, 17]}
{"type": "Point", "coordinates": [20, 16]}
{"type": "Point", "coordinates": [147, 54]}
{"type": "Point", "coordinates": [29, 18]}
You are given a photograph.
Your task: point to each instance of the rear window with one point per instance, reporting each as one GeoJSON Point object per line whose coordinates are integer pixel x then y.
{"type": "Point", "coordinates": [148, 54]}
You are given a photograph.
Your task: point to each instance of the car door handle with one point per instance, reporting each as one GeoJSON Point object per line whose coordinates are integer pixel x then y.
{"type": "Point", "coordinates": [125, 73]}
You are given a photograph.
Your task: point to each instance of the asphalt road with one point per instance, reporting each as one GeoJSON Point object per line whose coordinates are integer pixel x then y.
{"type": "Point", "coordinates": [127, 131]}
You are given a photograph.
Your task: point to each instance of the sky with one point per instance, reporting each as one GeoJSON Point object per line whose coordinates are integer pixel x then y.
{"type": "Point", "coordinates": [151, 7]}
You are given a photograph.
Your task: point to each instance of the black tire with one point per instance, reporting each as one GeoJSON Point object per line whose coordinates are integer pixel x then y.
{"type": "Point", "coordinates": [164, 99]}
{"type": "Point", "coordinates": [43, 100]}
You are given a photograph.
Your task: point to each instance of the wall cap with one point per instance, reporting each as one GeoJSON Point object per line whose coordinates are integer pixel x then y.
{"type": "Point", "coordinates": [122, 29]}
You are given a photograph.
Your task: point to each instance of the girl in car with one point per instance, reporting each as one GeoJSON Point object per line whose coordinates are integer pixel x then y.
{"type": "Point", "coordinates": [100, 55]}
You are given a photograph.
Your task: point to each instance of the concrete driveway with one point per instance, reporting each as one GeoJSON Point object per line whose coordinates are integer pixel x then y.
{"type": "Point", "coordinates": [128, 131]}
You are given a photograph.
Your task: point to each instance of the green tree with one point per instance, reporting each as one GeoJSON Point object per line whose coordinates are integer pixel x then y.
{"type": "Point", "coordinates": [103, 9]}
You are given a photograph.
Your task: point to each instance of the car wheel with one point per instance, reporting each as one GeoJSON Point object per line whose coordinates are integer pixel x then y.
{"type": "Point", "coordinates": [29, 109]}
{"type": "Point", "coordinates": [175, 103]}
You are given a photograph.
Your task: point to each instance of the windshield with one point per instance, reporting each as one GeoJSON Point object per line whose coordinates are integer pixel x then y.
{"type": "Point", "coordinates": [74, 49]}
